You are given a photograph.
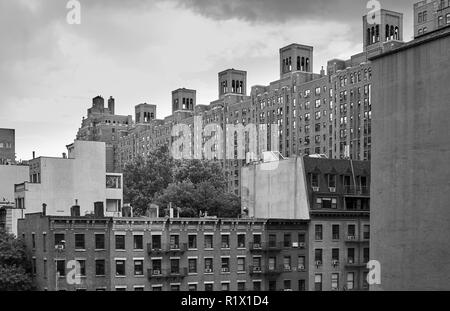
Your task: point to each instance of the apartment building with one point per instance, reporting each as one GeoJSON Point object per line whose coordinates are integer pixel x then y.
{"type": "Point", "coordinates": [430, 15]}
{"type": "Point", "coordinates": [334, 196]}
{"type": "Point", "coordinates": [162, 254]}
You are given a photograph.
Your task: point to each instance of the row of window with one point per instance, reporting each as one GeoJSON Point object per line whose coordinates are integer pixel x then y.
{"type": "Point", "coordinates": [349, 284]}
{"type": "Point", "coordinates": [335, 256]}
{"type": "Point", "coordinates": [335, 232]}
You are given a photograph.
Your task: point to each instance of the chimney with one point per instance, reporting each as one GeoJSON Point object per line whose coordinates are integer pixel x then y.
{"type": "Point", "coordinates": [44, 209]}
{"type": "Point", "coordinates": [34, 154]}
{"type": "Point", "coordinates": [75, 211]}
{"type": "Point", "coordinates": [98, 209]}
{"type": "Point", "coordinates": [322, 72]}
{"type": "Point", "coordinates": [111, 104]}
{"type": "Point", "coordinates": [64, 155]}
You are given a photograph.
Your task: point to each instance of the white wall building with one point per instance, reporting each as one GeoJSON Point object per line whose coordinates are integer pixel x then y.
{"type": "Point", "coordinates": [77, 179]}
{"type": "Point", "coordinates": [9, 176]}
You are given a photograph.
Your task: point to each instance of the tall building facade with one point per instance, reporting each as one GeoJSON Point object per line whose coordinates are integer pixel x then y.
{"type": "Point", "coordinates": [410, 170]}
{"type": "Point", "coordinates": [430, 15]}
{"type": "Point", "coordinates": [102, 124]}
{"type": "Point", "coordinates": [7, 146]}
{"type": "Point", "coordinates": [334, 195]}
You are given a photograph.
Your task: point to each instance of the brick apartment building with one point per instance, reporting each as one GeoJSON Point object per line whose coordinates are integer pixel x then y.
{"type": "Point", "coordinates": [430, 15]}
{"type": "Point", "coordinates": [334, 195]}
{"type": "Point", "coordinates": [167, 254]}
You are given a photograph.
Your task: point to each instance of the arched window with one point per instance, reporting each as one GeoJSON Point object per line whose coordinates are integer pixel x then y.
{"type": "Point", "coordinates": [303, 64]}
{"type": "Point", "coordinates": [372, 36]}
{"type": "Point", "coordinates": [447, 17]}
{"type": "Point", "coordinates": [307, 64]}
{"type": "Point", "coordinates": [368, 36]}
{"type": "Point", "coordinates": [298, 63]}
{"type": "Point", "coordinates": [397, 33]}
{"type": "Point", "coordinates": [392, 33]}
{"type": "Point", "coordinates": [419, 32]}
{"type": "Point", "coordinates": [387, 33]}
{"type": "Point", "coordinates": [440, 20]}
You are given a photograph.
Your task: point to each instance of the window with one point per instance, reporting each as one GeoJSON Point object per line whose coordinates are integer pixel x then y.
{"type": "Point", "coordinates": [225, 286]}
{"type": "Point", "coordinates": [156, 242]}
{"type": "Point", "coordinates": [82, 264]}
{"type": "Point", "coordinates": [208, 241]}
{"type": "Point", "coordinates": [120, 267]}
{"type": "Point", "coordinates": [256, 263]}
{"type": "Point", "coordinates": [301, 263]}
{"type": "Point", "coordinates": [174, 241]}
{"type": "Point", "coordinates": [257, 240]}
{"type": "Point", "coordinates": [447, 17]}
{"type": "Point", "coordinates": [225, 264]}
{"type": "Point", "coordinates": [99, 267]}
{"type": "Point", "coordinates": [79, 241]}
{"type": "Point", "coordinates": [121, 289]}
{"type": "Point", "coordinates": [366, 254]}
{"type": "Point", "coordinates": [192, 241]}
{"type": "Point", "coordinates": [272, 263]}
{"type": "Point", "coordinates": [44, 242]}
{"type": "Point", "coordinates": [301, 238]}
{"type": "Point", "coordinates": [350, 280]}
{"type": "Point", "coordinates": [318, 232]}
{"type": "Point", "coordinates": [209, 265]}
{"type": "Point", "coordinates": [99, 241]}
{"type": "Point", "coordinates": [139, 267]}
{"type": "Point", "coordinates": [45, 269]}
{"type": "Point", "coordinates": [287, 285]}
{"type": "Point", "coordinates": [318, 255]}
{"type": "Point", "coordinates": [113, 182]}
{"type": "Point", "coordinates": [61, 267]}
{"type": "Point", "coordinates": [241, 264]}
{"type": "Point", "coordinates": [335, 254]}
{"type": "Point", "coordinates": [241, 240]}
{"type": "Point", "coordinates": [332, 181]}
{"type": "Point", "coordinates": [351, 255]}
{"type": "Point", "coordinates": [174, 287]}
{"type": "Point", "coordinates": [315, 180]}
{"type": "Point", "coordinates": [156, 266]}
{"type": "Point", "coordinates": [192, 264]}
{"type": "Point", "coordinates": [138, 242]}
{"type": "Point", "coordinates": [335, 232]}
{"type": "Point", "coordinates": [440, 20]}
{"type": "Point", "coordinates": [241, 286]}
{"type": "Point", "coordinates": [335, 281]}
{"type": "Point", "coordinates": [351, 229]}
{"type": "Point", "coordinates": [157, 288]}
{"type": "Point", "coordinates": [33, 240]}
{"type": "Point", "coordinates": [225, 241]}
{"type": "Point", "coordinates": [287, 240]}
{"type": "Point", "coordinates": [272, 240]}
{"type": "Point", "coordinates": [301, 285]}
{"type": "Point", "coordinates": [318, 282]}
{"type": "Point", "coordinates": [257, 286]}
{"type": "Point", "coordinates": [139, 288]}
{"type": "Point", "coordinates": [366, 233]}
{"type": "Point", "coordinates": [33, 266]}
{"type": "Point", "coordinates": [209, 287]}
{"type": "Point", "coordinates": [120, 242]}
{"type": "Point", "coordinates": [59, 239]}
{"type": "Point", "coordinates": [272, 286]}
{"type": "Point", "coordinates": [175, 266]}
{"type": "Point", "coordinates": [192, 287]}
{"type": "Point", "coordinates": [287, 263]}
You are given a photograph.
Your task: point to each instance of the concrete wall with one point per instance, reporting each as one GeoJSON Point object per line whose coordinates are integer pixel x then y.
{"type": "Point", "coordinates": [410, 167]}
{"type": "Point", "coordinates": [9, 176]}
{"type": "Point", "coordinates": [276, 193]}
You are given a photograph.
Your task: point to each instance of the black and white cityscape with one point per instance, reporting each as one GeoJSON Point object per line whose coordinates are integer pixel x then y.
{"type": "Point", "coordinates": [210, 146]}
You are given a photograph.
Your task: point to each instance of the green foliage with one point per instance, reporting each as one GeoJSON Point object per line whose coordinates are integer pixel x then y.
{"type": "Point", "coordinates": [193, 186]}
{"type": "Point", "coordinates": [14, 264]}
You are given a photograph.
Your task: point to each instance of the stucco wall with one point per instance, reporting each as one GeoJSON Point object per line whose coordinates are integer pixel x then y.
{"type": "Point", "coordinates": [410, 219]}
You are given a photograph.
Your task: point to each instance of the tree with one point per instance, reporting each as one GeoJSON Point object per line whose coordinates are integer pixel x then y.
{"type": "Point", "coordinates": [144, 177]}
{"type": "Point", "coordinates": [193, 186]}
{"type": "Point", "coordinates": [14, 264]}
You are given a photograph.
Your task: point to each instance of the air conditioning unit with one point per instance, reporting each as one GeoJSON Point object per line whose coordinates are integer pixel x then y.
{"type": "Point", "coordinates": [225, 270]}
{"type": "Point", "coordinates": [318, 263]}
{"type": "Point", "coordinates": [350, 261]}
{"type": "Point", "coordinates": [156, 272]}
{"type": "Point", "coordinates": [295, 244]}
{"type": "Point", "coordinates": [316, 189]}
{"type": "Point", "coordinates": [257, 269]}
{"type": "Point", "coordinates": [335, 263]}
{"type": "Point", "coordinates": [208, 270]}
{"type": "Point", "coordinates": [301, 244]}
{"type": "Point", "coordinates": [332, 189]}
{"type": "Point", "coordinates": [256, 245]}
{"type": "Point", "coordinates": [301, 267]}
{"type": "Point", "coordinates": [352, 237]}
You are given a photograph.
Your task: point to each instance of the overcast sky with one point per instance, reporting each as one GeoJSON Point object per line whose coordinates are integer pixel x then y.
{"type": "Point", "coordinates": [139, 51]}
